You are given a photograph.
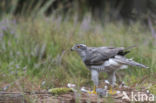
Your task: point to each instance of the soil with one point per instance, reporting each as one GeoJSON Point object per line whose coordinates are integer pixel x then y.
{"type": "Point", "coordinates": [70, 97]}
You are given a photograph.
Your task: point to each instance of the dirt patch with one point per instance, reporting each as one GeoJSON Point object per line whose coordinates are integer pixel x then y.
{"type": "Point", "coordinates": [73, 97]}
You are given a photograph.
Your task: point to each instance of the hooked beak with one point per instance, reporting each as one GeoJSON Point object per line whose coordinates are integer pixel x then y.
{"type": "Point", "coordinates": [72, 49]}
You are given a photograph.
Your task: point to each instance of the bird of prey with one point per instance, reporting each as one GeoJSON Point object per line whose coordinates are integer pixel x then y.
{"type": "Point", "coordinates": [104, 59]}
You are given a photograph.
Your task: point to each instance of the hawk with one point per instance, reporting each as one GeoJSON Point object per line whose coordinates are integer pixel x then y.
{"type": "Point", "coordinates": [104, 59]}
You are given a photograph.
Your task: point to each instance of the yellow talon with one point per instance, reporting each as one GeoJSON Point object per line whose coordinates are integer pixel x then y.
{"type": "Point", "coordinates": [111, 91]}
{"type": "Point", "coordinates": [94, 91]}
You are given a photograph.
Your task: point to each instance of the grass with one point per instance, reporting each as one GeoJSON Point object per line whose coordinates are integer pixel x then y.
{"type": "Point", "coordinates": [35, 52]}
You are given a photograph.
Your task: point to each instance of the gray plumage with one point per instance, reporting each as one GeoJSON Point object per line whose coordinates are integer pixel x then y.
{"type": "Point", "coordinates": [106, 59]}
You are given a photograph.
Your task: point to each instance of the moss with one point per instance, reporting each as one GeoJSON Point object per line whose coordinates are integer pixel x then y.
{"type": "Point", "coordinates": [57, 91]}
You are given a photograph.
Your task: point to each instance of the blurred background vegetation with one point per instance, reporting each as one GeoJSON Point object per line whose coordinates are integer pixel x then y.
{"type": "Point", "coordinates": [102, 10]}
{"type": "Point", "coordinates": [36, 37]}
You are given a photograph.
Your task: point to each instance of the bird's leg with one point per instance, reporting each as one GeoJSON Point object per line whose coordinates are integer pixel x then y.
{"type": "Point", "coordinates": [112, 79]}
{"type": "Point", "coordinates": [94, 89]}
{"type": "Point", "coordinates": [95, 79]}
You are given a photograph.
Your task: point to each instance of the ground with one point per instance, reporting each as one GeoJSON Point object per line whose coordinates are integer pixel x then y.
{"type": "Point", "coordinates": [67, 96]}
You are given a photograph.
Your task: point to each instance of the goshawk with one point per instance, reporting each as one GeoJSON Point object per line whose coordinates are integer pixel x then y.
{"type": "Point", "coordinates": [104, 59]}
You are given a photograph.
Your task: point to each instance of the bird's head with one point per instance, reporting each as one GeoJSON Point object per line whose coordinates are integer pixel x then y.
{"type": "Point", "coordinates": [79, 47]}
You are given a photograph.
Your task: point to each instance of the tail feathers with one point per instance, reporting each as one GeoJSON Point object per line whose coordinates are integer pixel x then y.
{"type": "Point", "coordinates": [130, 62]}
{"type": "Point", "coordinates": [133, 63]}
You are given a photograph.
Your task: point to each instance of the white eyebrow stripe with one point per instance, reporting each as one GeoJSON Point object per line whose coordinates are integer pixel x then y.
{"type": "Point", "coordinates": [82, 44]}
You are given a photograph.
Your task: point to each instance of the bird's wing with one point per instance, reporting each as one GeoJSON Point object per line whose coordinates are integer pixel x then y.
{"type": "Point", "coordinates": [96, 56]}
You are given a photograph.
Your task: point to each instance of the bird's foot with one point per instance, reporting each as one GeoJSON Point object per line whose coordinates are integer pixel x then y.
{"type": "Point", "coordinates": [111, 91]}
{"type": "Point", "coordinates": [92, 92]}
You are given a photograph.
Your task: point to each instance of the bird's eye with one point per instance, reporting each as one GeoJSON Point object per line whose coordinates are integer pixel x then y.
{"type": "Point", "coordinates": [78, 46]}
